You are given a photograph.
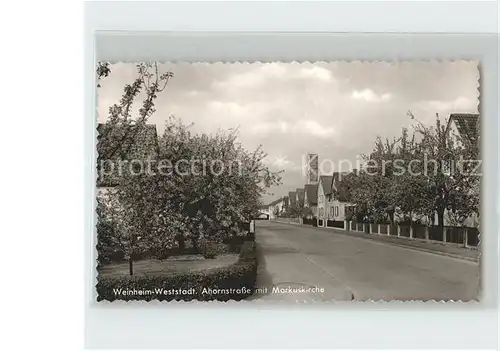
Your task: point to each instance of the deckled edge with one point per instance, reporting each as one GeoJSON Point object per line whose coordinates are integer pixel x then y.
{"type": "Point", "coordinates": [370, 302]}
{"type": "Point", "coordinates": [479, 76]}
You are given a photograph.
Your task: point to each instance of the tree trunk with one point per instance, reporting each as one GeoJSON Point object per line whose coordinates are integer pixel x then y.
{"type": "Point", "coordinates": [194, 242]}
{"type": "Point", "coordinates": [391, 216]}
{"type": "Point", "coordinates": [440, 213]}
{"type": "Point", "coordinates": [182, 243]}
{"type": "Point", "coordinates": [130, 266]}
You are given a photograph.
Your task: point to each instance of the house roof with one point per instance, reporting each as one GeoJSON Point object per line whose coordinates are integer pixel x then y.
{"type": "Point", "coordinates": [300, 196]}
{"type": "Point", "coordinates": [275, 202]}
{"type": "Point", "coordinates": [337, 178]}
{"type": "Point", "coordinates": [467, 125]}
{"type": "Point", "coordinates": [311, 191]}
{"type": "Point", "coordinates": [342, 196]}
{"type": "Point", "coordinates": [285, 200]}
{"type": "Point", "coordinates": [292, 195]}
{"type": "Point", "coordinates": [123, 143]}
{"type": "Point", "coordinates": [326, 183]}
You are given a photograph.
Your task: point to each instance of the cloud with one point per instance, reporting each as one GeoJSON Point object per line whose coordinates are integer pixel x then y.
{"type": "Point", "coordinates": [264, 128]}
{"type": "Point", "coordinates": [274, 73]}
{"type": "Point", "coordinates": [319, 73]}
{"type": "Point", "coordinates": [370, 96]}
{"type": "Point", "coordinates": [283, 163]}
{"type": "Point", "coordinates": [300, 127]}
{"type": "Point", "coordinates": [460, 104]}
{"type": "Point", "coordinates": [334, 109]}
{"type": "Point", "coordinates": [314, 128]}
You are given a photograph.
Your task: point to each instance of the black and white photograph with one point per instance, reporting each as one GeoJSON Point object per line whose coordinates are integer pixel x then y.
{"type": "Point", "coordinates": [287, 181]}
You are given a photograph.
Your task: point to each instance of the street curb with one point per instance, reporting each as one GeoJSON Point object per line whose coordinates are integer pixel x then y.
{"type": "Point", "coordinates": [440, 253]}
{"type": "Point", "coordinates": [416, 248]}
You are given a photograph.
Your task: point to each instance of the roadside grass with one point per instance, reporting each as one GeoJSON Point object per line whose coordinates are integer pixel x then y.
{"type": "Point", "coordinates": [176, 264]}
{"type": "Point", "coordinates": [227, 277]}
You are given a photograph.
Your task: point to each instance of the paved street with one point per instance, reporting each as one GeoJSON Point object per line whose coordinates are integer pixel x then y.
{"type": "Point", "coordinates": [301, 258]}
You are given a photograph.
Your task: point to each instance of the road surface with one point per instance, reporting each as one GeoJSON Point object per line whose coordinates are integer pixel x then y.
{"type": "Point", "coordinates": [301, 263]}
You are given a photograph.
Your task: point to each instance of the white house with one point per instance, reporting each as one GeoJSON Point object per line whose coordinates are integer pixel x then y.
{"type": "Point", "coordinates": [110, 164]}
{"type": "Point", "coordinates": [311, 198]}
{"type": "Point", "coordinates": [337, 200]}
{"type": "Point", "coordinates": [463, 127]}
{"type": "Point", "coordinates": [324, 191]}
{"type": "Point", "coordinates": [275, 208]}
{"type": "Point", "coordinates": [292, 198]}
{"type": "Point", "coordinates": [300, 197]}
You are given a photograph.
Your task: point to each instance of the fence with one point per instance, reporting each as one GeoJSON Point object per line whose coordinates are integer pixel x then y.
{"type": "Point", "coordinates": [294, 220]}
{"type": "Point", "coordinates": [335, 224]}
{"type": "Point", "coordinates": [464, 236]}
{"type": "Point", "coordinates": [308, 221]}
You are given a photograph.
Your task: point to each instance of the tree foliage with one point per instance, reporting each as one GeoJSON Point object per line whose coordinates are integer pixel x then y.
{"type": "Point", "coordinates": [412, 178]}
{"type": "Point", "coordinates": [197, 187]}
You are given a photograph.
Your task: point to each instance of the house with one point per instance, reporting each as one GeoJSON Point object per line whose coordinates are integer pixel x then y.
{"type": "Point", "coordinates": [292, 198]}
{"type": "Point", "coordinates": [263, 212]}
{"type": "Point", "coordinates": [337, 200]}
{"type": "Point", "coordinates": [311, 198]}
{"type": "Point", "coordinates": [275, 208]}
{"type": "Point", "coordinates": [300, 197]}
{"type": "Point", "coordinates": [324, 190]}
{"type": "Point", "coordinates": [117, 146]}
{"type": "Point", "coordinates": [286, 203]}
{"type": "Point", "coordinates": [463, 127]}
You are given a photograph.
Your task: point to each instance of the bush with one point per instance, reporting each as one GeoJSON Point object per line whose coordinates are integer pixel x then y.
{"type": "Point", "coordinates": [234, 282]}
{"type": "Point", "coordinates": [211, 249]}
{"type": "Point", "coordinates": [106, 251]}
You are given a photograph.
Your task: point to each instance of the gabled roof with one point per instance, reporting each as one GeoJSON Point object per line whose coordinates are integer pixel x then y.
{"type": "Point", "coordinates": [286, 201]}
{"type": "Point", "coordinates": [467, 125]}
{"type": "Point", "coordinates": [337, 177]}
{"type": "Point", "coordinates": [311, 191]}
{"type": "Point", "coordinates": [126, 142]}
{"type": "Point", "coordinates": [326, 184]}
{"type": "Point", "coordinates": [342, 194]}
{"type": "Point", "coordinates": [123, 143]}
{"type": "Point", "coordinates": [275, 202]}
{"type": "Point", "coordinates": [300, 196]}
{"type": "Point", "coordinates": [292, 195]}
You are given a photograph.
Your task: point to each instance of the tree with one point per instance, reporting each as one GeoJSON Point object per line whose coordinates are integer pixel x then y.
{"type": "Point", "coordinates": [452, 181]}
{"type": "Point", "coordinates": [210, 187]}
{"type": "Point", "coordinates": [127, 206]}
{"type": "Point", "coordinates": [416, 177]}
{"type": "Point", "coordinates": [276, 212]}
{"type": "Point", "coordinates": [221, 186]}
{"type": "Point", "coordinates": [298, 211]}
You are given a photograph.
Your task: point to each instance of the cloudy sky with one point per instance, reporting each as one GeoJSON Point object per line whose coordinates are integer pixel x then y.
{"type": "Point", "coordinates": [333, 109]}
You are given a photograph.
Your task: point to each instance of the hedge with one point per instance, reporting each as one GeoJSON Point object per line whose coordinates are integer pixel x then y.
{"type": "Point", "coordinates": [234, 282]}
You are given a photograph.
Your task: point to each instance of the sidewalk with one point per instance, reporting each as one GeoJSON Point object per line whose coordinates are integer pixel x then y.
{"type": "Point", "coordinates": [416, 244]}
